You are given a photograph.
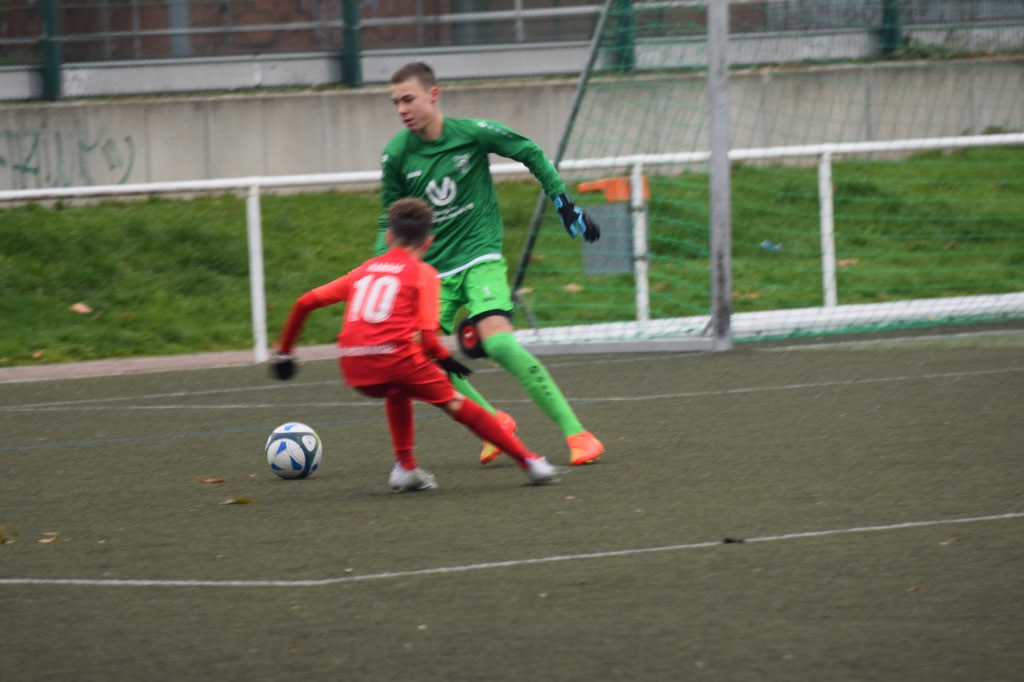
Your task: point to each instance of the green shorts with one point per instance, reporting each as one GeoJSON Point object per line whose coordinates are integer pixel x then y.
{"type": "Point", "coordinates": [480, 288]}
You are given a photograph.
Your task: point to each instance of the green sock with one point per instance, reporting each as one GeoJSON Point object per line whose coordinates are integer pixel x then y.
{"type": "Point", "coordinates": [466, 389]}
{"type": "Point", "coordinates": [535, 379]}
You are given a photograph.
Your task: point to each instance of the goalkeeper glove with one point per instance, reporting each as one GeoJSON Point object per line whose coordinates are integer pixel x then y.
{"type": "Point", "coordinates": [282, 365]}
{"type": "Point", "coordinates": [453, 366]}
{"type": "Point", "coordinates": [576, 221]}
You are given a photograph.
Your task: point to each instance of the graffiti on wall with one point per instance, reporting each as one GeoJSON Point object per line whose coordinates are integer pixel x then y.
{"type": "Point", "coordinates": [40, 157]}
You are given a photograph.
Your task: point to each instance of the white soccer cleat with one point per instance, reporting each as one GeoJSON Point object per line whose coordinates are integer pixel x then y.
{"type": "Point", "coordinates": [402, 480]}
{"type": "Point", "coordinates": [540, 471]}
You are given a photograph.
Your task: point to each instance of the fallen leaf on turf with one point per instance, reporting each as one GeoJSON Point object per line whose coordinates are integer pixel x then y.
{"type": "Point", "coordinates": [238, 500]}
{"type": "Point", "coordinates": [50, 537]}
{"type": "Point", "coordinates": [38, 354]}
{"type": "Point", "coordinates": [4, 538]}
{"type": "Point", "coordinates": [81, 308]}
{"type": "Point", "coordinates": [206, 479]}
{"type": "Point", "coordinates": [573, 288]}
{"type": "Point", "coordinates": [846, 262]}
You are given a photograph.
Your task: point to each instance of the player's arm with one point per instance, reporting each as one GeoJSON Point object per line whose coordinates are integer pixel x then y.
{"type": "Point", "coordinates": [497, 138]}
{"type": "Point", "coordinates": [282, 363]}
{"type": "Point", "coordinates": [502, 140]}
{"type": "Point", "coordinates": [392, 188]}
{"type": "Point", "coordinates": [433, 347]}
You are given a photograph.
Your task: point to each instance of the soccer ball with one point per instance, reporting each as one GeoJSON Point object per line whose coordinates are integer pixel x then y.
{"type": "Point", "coordinates": [294, 450]}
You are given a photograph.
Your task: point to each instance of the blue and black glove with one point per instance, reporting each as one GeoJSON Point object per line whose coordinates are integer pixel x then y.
{"type": "Point", "coordinates": [576, 221]}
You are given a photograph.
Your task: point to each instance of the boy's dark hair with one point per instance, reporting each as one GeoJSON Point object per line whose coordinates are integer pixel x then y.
{"type": "Point", "coordinates": [410, 221]}
{"type": "Point", "coordinates": [418, 70]}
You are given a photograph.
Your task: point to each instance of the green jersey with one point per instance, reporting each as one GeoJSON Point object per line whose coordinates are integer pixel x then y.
{"type": "Point", "coordinates": [452, 173]}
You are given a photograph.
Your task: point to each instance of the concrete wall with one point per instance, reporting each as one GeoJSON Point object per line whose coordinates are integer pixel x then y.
{"type": "Point", "coordinates": [187, 138]}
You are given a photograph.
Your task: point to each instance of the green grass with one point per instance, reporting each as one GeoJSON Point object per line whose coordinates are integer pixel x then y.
{"type": "Point", "coordinates": [934, 225]}
{"type": "Point", "coordinates": [163, 276]}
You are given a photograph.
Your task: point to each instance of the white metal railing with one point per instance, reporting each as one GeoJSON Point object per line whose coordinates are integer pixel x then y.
{"type": "Point", "coordinates": [253, 187]}
{"type": "Point", "coordinates": [824, 152]}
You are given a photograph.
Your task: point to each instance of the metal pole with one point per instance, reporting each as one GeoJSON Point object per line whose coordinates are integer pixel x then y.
{"type": "Point", "coordinates": [351, 67]}
{"type": "Point", "coordinates": [257, 290]}
{"type": "Point", "coordinates": [624, 54]}
{"type": "Point", "coordinates": [51, 50]}
{"type": "Point", "coordinates": [719, 178]}
{"type": "Point", "coordinates": [641, 260]}
{"type": "Point", "coordinates": [826, 215]}
{"type": "Point", "coordinates": [892, 37]}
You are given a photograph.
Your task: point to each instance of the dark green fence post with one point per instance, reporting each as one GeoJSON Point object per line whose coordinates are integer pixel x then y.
{"type": "Point", "coordinates": [51, 50]}
{"type": "Point", "coordinates": [892, 37]}
{"type": "Point", "coordinates": [351, 67]}
{"type": "Point", "coordinates": [623, 55]}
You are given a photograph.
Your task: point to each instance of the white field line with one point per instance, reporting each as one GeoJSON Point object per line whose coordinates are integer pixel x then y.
{"type": "Point", "coordinates": [277, 385]}
{"type": "Point", "coordinates": [91, 404]}
{"type": "Point", "coordinates": [465, 568]}
{"type": "Point", "coordinates": [895, 340]}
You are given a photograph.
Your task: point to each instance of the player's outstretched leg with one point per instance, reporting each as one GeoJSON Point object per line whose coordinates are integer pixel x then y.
{"type": "Point", "coordinates": [503, 348]}
{"type": "Point", "coordinates": [487, 426]}
{"type": "Point", "coordinates": [490, 451]}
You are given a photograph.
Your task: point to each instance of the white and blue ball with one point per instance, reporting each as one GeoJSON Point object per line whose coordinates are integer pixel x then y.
{"type": "Point", "coordinates": [294, 450]}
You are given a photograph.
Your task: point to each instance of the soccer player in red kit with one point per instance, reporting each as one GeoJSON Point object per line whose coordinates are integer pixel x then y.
{"type": "Point", "coordinates": [388, 346]}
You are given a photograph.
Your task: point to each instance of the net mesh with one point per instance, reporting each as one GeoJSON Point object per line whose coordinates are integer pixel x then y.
{"type": "Point", "coordinates": [913, 236]}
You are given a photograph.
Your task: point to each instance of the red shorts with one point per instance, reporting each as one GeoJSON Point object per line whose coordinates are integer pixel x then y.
{"type": "Point", "coordinates": [424, 381]}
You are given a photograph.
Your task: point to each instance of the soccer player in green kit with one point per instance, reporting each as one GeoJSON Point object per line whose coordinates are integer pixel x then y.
{"type": "Point", "coordinates": [444, 160]}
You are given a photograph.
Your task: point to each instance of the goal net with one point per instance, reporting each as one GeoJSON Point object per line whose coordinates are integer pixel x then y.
{"type": "Point", "coordinates": [877, 165]}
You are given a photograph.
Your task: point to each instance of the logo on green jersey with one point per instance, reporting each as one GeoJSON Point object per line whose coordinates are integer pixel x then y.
{"type": "Point", "coordinates": [441, 195]}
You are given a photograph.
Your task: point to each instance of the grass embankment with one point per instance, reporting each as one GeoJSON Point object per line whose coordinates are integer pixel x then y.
{"type": "Point", "coordinates": [160, 276]}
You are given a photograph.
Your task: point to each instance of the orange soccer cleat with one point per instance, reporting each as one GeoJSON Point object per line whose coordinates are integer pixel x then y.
{"type": "Point", "coordinates": [491, 451]}
{"type": "Point", "coordinates": [584, 448]}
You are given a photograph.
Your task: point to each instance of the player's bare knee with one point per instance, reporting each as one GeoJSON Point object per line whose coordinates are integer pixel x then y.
{"type": "Point", "coordinates": [492, 322]}
{"type": "Point", "coordinates": [454, 405]}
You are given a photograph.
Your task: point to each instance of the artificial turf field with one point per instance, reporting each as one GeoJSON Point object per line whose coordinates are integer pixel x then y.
{"type": "Point", "coordinates": [877, 486]}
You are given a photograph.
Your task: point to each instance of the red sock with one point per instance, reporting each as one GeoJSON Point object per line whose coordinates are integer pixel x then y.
{"type": "Point", "coordinates": [486, 426]}
{"type": "Point", "coordinates": [400, 423]}
{"type": "Point", "coordinates": [406, 459]}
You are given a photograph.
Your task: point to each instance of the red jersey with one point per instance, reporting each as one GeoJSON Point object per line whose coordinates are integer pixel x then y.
{"type": "Point", "coordinates": [390, 321]}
